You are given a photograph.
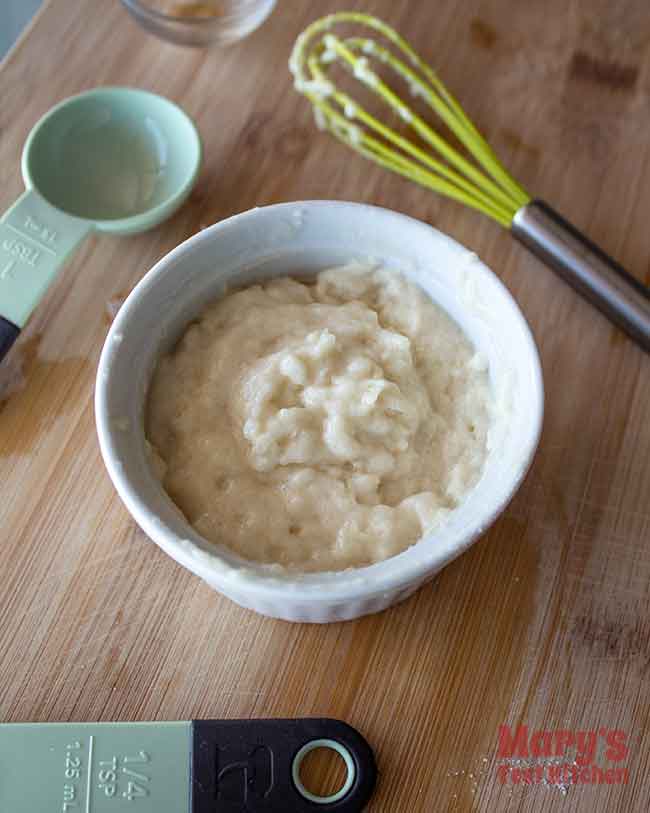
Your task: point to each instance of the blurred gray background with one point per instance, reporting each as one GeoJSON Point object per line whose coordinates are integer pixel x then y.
{"type": "Point", "coordinates": [14, 16]}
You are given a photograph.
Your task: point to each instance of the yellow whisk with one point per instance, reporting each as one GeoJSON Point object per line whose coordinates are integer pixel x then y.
{"type": "Point", "coordinates": [477, 179]}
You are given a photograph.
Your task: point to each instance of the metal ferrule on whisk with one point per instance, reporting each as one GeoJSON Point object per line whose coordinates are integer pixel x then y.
{"type": "Point", "coordinates": [587, 268]}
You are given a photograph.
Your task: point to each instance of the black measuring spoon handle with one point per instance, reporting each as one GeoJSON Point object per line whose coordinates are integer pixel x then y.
{"type": "Point", "coordinates": [254, 765]}
{"type": "Point", "coordinates": [8, 335]}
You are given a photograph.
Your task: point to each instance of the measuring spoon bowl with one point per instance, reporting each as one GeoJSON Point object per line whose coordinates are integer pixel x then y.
{"type": "Point", "coordinates": [117, 160]}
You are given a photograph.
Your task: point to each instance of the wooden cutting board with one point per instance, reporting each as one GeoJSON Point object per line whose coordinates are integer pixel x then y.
{"type": "Point", "coordinates": [545, 622]}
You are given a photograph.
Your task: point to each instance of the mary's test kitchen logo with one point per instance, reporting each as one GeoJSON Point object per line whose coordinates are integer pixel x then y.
{"type": "Point", "coordinates": [562, 757]}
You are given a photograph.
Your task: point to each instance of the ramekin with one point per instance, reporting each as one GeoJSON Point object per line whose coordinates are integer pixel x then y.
{"type": "Point", "coordinates": [305, 237]}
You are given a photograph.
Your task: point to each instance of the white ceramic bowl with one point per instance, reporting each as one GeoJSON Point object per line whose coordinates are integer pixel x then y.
{"type": "Point", "coordinates": [307, 237]}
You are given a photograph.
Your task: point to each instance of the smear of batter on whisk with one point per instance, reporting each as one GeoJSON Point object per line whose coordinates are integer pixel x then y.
{"type": "Point", "coordinates": [320, 426]}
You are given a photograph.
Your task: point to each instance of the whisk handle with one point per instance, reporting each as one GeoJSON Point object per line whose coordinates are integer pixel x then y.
{"type": "Point", "coordinates": [595, 275]}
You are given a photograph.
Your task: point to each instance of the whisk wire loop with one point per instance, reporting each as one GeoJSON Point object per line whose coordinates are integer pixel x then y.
{"type": "Point", "coordinates": [486, 186]}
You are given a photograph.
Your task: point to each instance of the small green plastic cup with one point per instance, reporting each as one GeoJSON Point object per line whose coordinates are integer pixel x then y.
{"type": "Point", "coordinates": [116, 160]}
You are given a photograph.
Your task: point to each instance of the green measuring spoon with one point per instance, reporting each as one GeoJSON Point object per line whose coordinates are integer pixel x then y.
{"type": "Point", "coordinates": [116, 160]}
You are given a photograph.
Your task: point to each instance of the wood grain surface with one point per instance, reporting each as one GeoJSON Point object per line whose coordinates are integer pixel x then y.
{"type": "Point", "coordinates": [546, 621]}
